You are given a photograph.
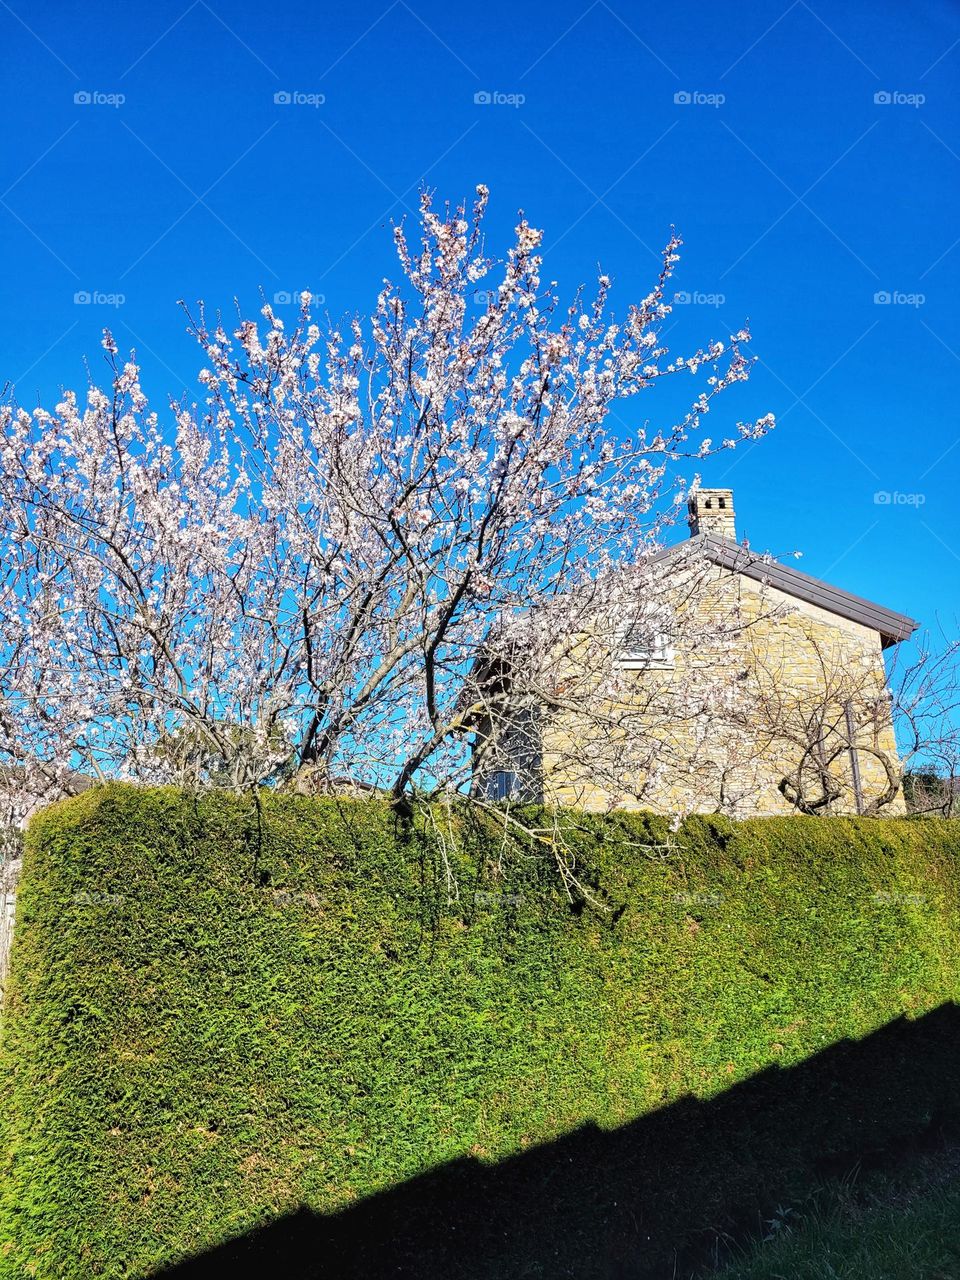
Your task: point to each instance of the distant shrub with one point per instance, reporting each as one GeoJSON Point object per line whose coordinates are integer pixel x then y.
{"type": "Point", "coordinates": [928, 792]}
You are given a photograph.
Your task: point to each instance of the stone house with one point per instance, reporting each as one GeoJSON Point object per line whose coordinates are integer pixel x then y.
{"type": "Point", "coordinates": [764, 692]}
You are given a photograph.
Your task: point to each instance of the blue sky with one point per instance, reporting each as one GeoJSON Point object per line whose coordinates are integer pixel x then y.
{"type": "Point", "coordinates": [808, 154]}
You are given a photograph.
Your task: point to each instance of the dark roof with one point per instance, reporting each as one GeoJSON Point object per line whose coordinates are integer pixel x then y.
{"type": "Point", "coordinates": [892, 626]}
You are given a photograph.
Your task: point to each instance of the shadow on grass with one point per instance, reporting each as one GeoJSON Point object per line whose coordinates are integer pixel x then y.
{"type": "Point", "coordinates": [653, 1199]}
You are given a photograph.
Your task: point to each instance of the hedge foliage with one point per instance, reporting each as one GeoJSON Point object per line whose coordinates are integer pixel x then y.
{"type": "Point", "coordinates": [219, 1011]}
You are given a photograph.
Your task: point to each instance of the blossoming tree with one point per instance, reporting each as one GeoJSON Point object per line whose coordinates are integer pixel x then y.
{"type": "Point", "coordinates": [294, 581]}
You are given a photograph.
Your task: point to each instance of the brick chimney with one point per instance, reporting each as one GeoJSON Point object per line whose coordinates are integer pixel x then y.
{"type": "Point", "coordinates": [710, 511]}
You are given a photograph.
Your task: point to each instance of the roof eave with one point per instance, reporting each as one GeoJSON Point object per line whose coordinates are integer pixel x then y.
{"type": "Point", "coordinates": [892, 627]}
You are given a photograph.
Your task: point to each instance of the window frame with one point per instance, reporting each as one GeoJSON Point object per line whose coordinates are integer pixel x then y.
{"type": "Point", "coordinates": [658, 656]}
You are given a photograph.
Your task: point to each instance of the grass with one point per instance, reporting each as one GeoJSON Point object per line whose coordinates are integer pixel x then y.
{"type": "Point", "coordinates": [882, 1229]}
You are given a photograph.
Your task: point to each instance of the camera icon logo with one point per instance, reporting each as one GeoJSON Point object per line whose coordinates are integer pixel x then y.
{"type": "Point", "coordinates": [282, 98]}
{"type": "Point", "coordinates": [682, 98]}
{"type": "Point", "coordinates": [483, 98]}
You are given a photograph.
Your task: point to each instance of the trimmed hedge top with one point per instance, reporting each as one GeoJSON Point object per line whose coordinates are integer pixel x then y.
{"type": "Point", "coordinates": [221, 1010]}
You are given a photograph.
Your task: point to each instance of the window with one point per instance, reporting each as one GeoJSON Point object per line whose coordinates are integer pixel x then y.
{"type": "Point", "coordinates": [643, 644]}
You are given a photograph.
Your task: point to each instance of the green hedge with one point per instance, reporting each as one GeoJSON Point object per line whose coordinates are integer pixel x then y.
{"type": "Point", "coordinates": [218, 1012]}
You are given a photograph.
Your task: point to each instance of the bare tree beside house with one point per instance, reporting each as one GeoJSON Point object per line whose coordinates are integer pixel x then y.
{"type": "Point", "coordinates": [925, 707]}
{"type": "Point", "coordinates": [853, 739]}
{"type": "Point", "coordinates": [833, 738]}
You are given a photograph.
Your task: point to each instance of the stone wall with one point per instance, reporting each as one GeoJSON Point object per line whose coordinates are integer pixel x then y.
{"type": "Point", "coordinates": [9, 875]}
{"type": "Point", "coordinates": [728, 721]}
